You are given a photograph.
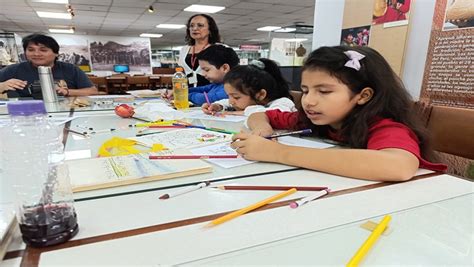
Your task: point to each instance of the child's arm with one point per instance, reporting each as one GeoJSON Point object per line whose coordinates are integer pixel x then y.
{"type": "Point", "coordinates": [389, 164]}
{"type": "Point", "coordinates": [211, 109]}
{"type": "Point", "coordinates": [214, 92]}
{"type": "Point", "coordinates": [260, 124]}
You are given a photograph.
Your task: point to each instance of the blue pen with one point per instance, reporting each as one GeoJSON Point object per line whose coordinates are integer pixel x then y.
{"type": "Point", "coordinates": [305, 131]}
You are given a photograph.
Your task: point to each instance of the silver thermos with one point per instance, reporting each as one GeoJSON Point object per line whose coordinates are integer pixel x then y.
{"type": "Point", "coordinates": [47, 84]}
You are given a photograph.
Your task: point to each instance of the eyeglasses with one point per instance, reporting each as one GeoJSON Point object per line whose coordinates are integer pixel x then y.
{"type": "Point", "coordinates": [199, 26]}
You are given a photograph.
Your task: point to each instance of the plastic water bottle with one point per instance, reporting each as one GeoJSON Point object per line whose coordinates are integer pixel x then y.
{"type": "Point", "coordinates": [180, 89]}
{"type": "Point", "coordinates": [33, 158]}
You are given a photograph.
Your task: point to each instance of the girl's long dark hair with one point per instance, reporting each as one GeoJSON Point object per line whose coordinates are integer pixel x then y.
{"type": "Point", "coordinates": [250, 79]}
{"type": "Point", "coordinates": [390, 100]}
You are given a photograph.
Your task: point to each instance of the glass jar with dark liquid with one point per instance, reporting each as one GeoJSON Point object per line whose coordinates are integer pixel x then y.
{"type": "Point", "coordinates": [34, 164]}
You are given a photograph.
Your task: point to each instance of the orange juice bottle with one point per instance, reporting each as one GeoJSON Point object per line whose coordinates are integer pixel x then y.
{"type": "Point", "coordinates": [180, 89]}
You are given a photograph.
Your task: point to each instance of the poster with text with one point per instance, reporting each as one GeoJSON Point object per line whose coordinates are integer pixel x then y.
{"type": "Point", "coordinates": [449, 74]}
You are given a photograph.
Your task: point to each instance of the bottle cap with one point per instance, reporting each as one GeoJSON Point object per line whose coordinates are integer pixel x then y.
{"type": "Point", "coordinates": [179, 69]}
{"type": "Point", "coordinates": [26, 108]}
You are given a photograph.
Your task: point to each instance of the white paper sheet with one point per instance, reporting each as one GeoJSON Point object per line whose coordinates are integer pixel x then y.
{"type": "Point", "coordinates": [198, 114]}
{"type": "Point", "coordinates": [78, 154]}
{"type": "Point", "coordinates": [109, 96]}
{"type": "Point", "coordinates": [221, 149]}
{"type": "Point", "coordinates": [295, 141]}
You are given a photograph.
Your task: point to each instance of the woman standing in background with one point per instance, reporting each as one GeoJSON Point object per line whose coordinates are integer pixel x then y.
{"type": "Point", "coordinates": [201, 32]}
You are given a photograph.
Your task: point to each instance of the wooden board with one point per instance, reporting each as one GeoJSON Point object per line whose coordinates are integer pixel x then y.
{"type": "Point", "coordinates": [97, 173]}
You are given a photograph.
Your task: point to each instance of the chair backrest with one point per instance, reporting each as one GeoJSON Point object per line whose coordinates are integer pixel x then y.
{"type": "Point", "coordinates": [452, 130]}
{"type": "Point", "coordinates": [100, 83]}
{"type": "Point", "coordinates": [138, 80]}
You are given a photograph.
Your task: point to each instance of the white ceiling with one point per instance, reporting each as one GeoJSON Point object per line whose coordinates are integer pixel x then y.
{"type": "Point", "coordinates": [237, 23]}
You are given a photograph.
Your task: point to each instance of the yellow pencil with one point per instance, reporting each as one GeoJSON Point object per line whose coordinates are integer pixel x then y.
{"type": "Point", "coordinates": [237, 213]}
{"type": "Point", "coordinates": [369, 242]}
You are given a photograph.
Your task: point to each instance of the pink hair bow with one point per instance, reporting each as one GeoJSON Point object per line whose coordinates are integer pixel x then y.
{"type": "Point", "coordinates": [354, 58]}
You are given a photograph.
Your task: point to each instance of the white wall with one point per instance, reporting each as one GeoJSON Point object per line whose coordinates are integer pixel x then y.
{"type": "Point", "coordinates": [328, 15]}
{"type": "Point", "coordinates": [416, 49]}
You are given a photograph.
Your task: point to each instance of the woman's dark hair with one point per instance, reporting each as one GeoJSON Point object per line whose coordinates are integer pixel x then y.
{"type": "Point", "coordinates": [37, 38]}
{"type": "Point", "coordinates": [262, 74]}
{"type": "Point", "coordinates": [390, 100]}
{"type": "Point", "coordinates": [214, 36]}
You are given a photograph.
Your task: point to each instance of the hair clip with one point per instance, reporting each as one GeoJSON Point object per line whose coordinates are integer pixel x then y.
{"type": "Point", "coordinates": [257, 63]}
{"type": "Point", "coordinates": [354, 58]}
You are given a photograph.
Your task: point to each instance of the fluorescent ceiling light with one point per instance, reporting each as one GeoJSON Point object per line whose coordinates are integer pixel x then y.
{"type": "Point", "coordinates": [54, 15]}
{"type": "Point", "coordinates": [296, 40]}
{"type": "Point", "coordinates": [286, 30]}
{"type": "Point", "coordinates": [204, 8]}
{"type": "Point", "coordinates": [61, 30]}
{"type": "Point", "coordinates": [151, 35]}
{"type": "Point", "coordinates": [52, 1]}
{"type": "Point", "coordinates": [170, 26]}
{"type": "Point", "coordinates": [268, 28]}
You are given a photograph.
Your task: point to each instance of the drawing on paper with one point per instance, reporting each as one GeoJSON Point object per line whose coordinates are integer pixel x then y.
{"type": "Point", "coordinates": [185, 138]}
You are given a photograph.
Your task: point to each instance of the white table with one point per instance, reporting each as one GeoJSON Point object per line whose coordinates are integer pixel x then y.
{"type": "Point", "coordinates": [130, 226]}
{"type": "Point", "coordinates": [432, 224]}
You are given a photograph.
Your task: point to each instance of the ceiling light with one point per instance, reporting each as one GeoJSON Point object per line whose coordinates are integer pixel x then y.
{"type": "Point", "coordinates": [268, 28]}
{"type": "Point", "coordinates": [296, 40]}
{"type": "Point", "coordinates": [170, 26]}
{"type": "Point", "coordinates": [54, 15]}
{"type": "Point", "coordinates": [204, 8]}
{"type": "Point", "coordinates": [52, 1]}
{"type": "Point", "coordinates": [286, 30]}
{"type": "Point", "coordinates": [151, 35]}
{"type": "Point", "coordinates": [151, 9]}
{"type": "Point", "coordinates": [61, 30]}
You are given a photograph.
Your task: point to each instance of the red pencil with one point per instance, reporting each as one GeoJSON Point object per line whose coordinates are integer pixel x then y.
{"type": "Point", "coordinates": [275, 188]}
{"type": "Point", "coordinates": [194, 157]}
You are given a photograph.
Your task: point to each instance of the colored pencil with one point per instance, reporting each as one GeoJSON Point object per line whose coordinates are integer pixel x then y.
{"type": "Point", "coordinates": [232, 215]}
{"type": "Point", "coordinates": [194, 157]}
{"type": "Point", "coordinates": [186, 190]}
{"type": "Point", "coordinates": [305, 131]}
{"type": "Point", "coordinates": [142, 134]}
{"type": "Point", "coordinates": [166, 126]}
{"type": "Point", "coordinates": [207, 99]}
{"type": "Point", "coordinates": [369, 242]}
{"type": "Point", "coordinates": [205, 128]}
{"type": "Point", "coordinates": [309, 198]}
{"type": "Point", "coordinates": [274, 188]}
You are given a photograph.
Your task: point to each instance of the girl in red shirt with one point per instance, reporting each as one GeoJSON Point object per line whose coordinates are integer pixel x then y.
{"type": "Point", "coordinates": [351, 95]}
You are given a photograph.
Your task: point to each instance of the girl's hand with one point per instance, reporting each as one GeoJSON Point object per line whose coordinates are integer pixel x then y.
{"type": "Point", "coordinates": [253, 147]}
{"type": "Point", "coordinates": [212, 109]}
{"type": "Point", "coordinates": [263, 131]}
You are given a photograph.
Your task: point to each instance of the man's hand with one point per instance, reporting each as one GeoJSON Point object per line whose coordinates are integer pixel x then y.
{"type": "Point", "coordinates": [12, 84]}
